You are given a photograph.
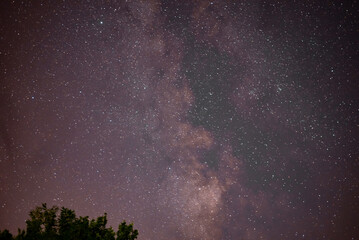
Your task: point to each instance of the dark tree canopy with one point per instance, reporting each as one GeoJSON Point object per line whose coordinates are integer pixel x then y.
{"type": "Point", "coordinates": [46, 224]}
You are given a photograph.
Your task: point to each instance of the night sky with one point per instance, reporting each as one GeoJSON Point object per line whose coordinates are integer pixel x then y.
{"type": "Point", "coordinates": [193, 119]}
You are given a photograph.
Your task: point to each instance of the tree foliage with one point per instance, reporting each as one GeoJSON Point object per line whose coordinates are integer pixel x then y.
{"type": "Point", "coordinates": [48, 224]}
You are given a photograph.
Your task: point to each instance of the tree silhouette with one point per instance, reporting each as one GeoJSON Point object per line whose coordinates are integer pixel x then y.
{"type": "Point", "coordinates": [46, 224]}
{"type": "Point", "coordinates": [67, 223]}
{"type": "Point", "coordinates": [5, 235]}
{"type": "Point", "coordinates": [126, 232]}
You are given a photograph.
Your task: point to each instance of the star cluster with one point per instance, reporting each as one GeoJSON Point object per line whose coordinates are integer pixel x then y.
{"type": "Point", "coordinates": [193, 119]}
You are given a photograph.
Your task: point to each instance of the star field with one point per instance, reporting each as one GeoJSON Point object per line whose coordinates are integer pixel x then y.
{"type": "Point", "coordinates": [193, 119]}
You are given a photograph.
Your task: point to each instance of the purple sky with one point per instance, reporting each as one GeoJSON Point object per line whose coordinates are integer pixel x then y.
{"type": "Point", "coordinates": [193, 119]}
